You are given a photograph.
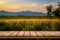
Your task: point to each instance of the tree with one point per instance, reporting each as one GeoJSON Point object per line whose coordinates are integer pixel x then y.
{"type": "Point", "coordinates": [59, 4]}
{"type": "Point", "coordinates": [49, 10]}
{"type": "Point", "coordinates": [56, 12]}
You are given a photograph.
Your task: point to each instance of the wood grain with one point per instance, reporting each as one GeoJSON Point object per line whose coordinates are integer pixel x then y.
{"type": "Point", "coordinates": [29, 34]}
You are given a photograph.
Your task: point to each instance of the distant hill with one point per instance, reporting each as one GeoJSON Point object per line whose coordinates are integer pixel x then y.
{"type": "Point", "coordinates": [23, 13]}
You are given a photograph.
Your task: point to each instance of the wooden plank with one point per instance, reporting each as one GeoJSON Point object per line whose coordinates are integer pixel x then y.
{"type": "Point", "coordinates": [26, 33]}
{"type": "Point", "coordinates": [45, 33]}
{"type": "Point", "coordinates": [14, 33]}
{"type": "Point", "coordinates": [32, 33]}
{"type": "Point", "coordinates": [21, 33]}
{"type": "Point", "coordinates": [57, 33]}
{"type": "Point", "coordinates": [29, 34]}
{"type": "Point", "coordinates": [54, 33]}
{"type": "Point", "coordinates": [3, 32]}
{"type": "Point", "coordinates": [38, 33]}
{"type": "Point", "coordinates": [8, 34]}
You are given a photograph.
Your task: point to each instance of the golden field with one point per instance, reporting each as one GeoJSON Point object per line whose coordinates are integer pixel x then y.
{"type": "Point", "coordinates": [30, 20]}
{"type": "Point", "coordinates": [29, 24]}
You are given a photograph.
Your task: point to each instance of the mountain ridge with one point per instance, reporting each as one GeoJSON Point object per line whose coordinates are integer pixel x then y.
{"type": "Point", "coordinates": [24, 13]}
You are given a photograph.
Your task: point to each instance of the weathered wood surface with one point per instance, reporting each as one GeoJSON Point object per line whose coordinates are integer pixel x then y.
{"type": "Point", "coordinates": [29, 34]}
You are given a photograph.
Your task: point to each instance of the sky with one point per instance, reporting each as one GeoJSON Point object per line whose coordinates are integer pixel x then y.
{"type": "Point", "coordinates": [26, 5]}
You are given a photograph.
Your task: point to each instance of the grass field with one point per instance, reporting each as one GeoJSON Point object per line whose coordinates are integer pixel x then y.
{"type": "Point", "coordinates": [25, 17]}
{"type": "Point", "coordinates": [30, 24]}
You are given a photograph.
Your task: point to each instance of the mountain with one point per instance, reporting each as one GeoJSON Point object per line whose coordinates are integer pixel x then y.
{"type": "Point", "coordinates": [23, 13]}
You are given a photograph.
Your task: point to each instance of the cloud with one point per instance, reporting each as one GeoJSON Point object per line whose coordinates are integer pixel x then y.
{"type": "Point", "coordinates": [18, 5]}
{"type": "Point", "coordinates": [33, 5]}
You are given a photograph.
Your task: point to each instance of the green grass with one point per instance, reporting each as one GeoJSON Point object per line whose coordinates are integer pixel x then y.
{"type": "Point", "coordinates": [23, 26]}
{"type": "Point", "coordinates": [25, 17]}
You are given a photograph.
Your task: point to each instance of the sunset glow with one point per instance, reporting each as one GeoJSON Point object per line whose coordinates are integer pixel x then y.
{"type": "Point", "coordinates": [25, 5]}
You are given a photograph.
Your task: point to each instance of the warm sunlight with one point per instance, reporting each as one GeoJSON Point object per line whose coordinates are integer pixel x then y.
{"type": "Point", "coordinates": [25, 5]}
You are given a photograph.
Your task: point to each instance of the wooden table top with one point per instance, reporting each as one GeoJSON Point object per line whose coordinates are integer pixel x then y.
{"type": "Point", "coordinates": [29, 34]}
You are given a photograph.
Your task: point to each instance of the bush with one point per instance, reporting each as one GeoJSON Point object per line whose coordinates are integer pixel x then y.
{"type": "Point", "coordinates": [30, 26]}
